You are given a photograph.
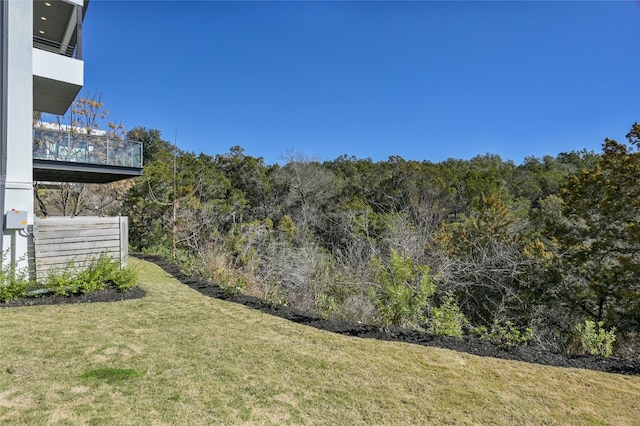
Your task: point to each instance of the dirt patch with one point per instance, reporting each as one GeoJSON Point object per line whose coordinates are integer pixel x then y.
{"type": "Point", "coordinates": [470, 344]}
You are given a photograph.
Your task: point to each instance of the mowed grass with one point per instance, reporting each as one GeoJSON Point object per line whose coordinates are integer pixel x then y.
{"type": "Point", "coordinates": [177, 357]}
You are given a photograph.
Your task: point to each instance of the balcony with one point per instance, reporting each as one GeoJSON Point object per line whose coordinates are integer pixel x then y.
{"type": "Point", "coordinates": [58, 70]}
{"type": "Point", "coordinates": [61, 156]}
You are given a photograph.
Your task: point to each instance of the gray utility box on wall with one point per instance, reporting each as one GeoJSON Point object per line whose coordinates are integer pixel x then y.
{"type": "Point", "coordinates": [16, 219]}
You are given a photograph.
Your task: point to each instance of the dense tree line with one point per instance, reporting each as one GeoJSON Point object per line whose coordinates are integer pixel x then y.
{"type": "Point", "coordinates": [461, 246]}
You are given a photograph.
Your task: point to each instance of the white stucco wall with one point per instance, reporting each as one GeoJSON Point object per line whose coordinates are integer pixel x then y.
{"type": "Point", "coordinates": [19, 118]}
{"type": "Point", "coordinates": [57, 67]}
{"type": "Point", "coordinates": [57, 80]}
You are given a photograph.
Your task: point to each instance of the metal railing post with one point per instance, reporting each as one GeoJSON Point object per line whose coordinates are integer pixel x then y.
{"type": "Point", "coordinates": [79, 32]}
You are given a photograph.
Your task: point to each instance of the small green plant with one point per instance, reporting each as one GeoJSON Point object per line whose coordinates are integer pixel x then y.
{"type": "Point", "coordinates": [61, 282]}
{"type": "Point", "coordinates": [106, 271]}
{"type": "Point", "coordinates": [13, 282]}
{"type": "Point", "coordinates": [275, 295]}
{"type": "Point", "coordinates": [13, 289]}
{"type": "Point", "coordinates": [231, 282]}
{"type": "Point", "coordinates": [595, 339]}
{"type": "Point", "coordinates": [287, 227]}
{"type": "Point", "coordinates": [402, 290]}
{"type": "Point", "coordinates": [508, 335]}
{"type": "Point", "coordinates": [124, 279]}
{"type": "Point", "coordinates": [447, 320]}
{"type": "Point", "coordinates": [325, 305]}
{"type": "Point", "coordinates": [479, 331]}
{"type": "Point", "coordinates": [96, 276]}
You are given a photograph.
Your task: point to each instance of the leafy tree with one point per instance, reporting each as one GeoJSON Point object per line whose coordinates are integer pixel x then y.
{"type": "Point", "coordinates": [483, 261]}
{"type": "Point", "coordinates": [310, 234]}
{"type": "Point", "coordinates": [153, 146]}
{"type": "Point", "coordinates": [249, 180]}
{"type": "Point", "coordinates": [598, 235]}
{"type": "Point", "coordinates": [305, 190]}
{"type": "Point", "coordinates": [178, 203]}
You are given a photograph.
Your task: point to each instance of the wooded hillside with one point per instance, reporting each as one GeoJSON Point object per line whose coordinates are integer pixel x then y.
{"type": "Point", "coordinates": [529, 252]}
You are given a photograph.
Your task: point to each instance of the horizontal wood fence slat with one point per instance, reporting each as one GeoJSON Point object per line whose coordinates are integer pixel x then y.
{"type": "Point", "coordinates": [58, 241]}
{"type": "Point", "coordinates": [88, 248]}
{"type": "Point", "coordinates": [70, 233]}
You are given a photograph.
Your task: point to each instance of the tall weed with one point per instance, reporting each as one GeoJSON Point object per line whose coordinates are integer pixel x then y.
{"type": "Point", "coordinates": [447, 320]}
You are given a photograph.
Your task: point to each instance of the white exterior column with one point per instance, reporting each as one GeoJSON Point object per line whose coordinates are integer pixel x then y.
{"type": "Point", "coordinates": [18, 121]}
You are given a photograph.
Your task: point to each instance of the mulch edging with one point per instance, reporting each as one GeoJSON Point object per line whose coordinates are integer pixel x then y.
{"type": "Point", "coordinates": [471, 345]}
{"type": "Point", "coordinates": [109, 294]}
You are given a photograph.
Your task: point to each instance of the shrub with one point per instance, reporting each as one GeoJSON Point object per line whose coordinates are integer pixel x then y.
{"type": "Point", "coordinates": [275, 295]}
{"type": "Point", "coordinates": [95, 277]}
{"type": "Point", "coordinates": [508, 335]}
{"type": "Point", "coordinates": [217, 266]}
{"type": "Point", "coordinates": [13, 282]}
{"type": "Point", "coordinates": [447, 320]}
{"type": "Point", "coordinates": [13, 289]}
{"type": "Point", "coordinates": [287, 227]}
{"type": "Point", "coordinates": [325, 305]}
{"type": "Point", "coordinates": [595, 339]}
{"type": "Point", "coordinates": [344, 297]}
{"type": "Point", "coordinates": [231, 282]}
{"type": "Point", "coordinates": [124, 279]}
{"type": "Point", "coordinates": [61, 282]}
{"type": "Point", "coordinates": [402, 290]}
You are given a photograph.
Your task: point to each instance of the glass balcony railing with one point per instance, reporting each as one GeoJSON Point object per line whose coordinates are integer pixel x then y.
{"type": "Point", "coordinates": [90, 149]}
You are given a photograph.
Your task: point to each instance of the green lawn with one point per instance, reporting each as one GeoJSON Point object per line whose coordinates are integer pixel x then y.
{"type": "Point", "coordinates": [177, 357]}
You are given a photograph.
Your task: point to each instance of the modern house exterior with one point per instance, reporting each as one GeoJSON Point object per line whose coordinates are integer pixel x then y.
{"type": "Point", "coordinates": [42, 70]}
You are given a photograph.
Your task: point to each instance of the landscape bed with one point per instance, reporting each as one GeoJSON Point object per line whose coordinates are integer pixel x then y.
{"type": "Point", "coordinates": [469, 344]}
{"type": "Point", "coordinates": [109, 294]}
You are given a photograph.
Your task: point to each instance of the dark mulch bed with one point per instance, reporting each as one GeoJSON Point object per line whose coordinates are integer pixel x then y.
{"type": "Point", "coordinates": [471, 345]}
{"type": "Point", "coordinates": [109, 294]}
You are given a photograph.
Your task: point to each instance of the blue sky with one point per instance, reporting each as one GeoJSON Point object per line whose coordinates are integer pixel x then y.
{"type": "Point", "coordinates": [422, 80]}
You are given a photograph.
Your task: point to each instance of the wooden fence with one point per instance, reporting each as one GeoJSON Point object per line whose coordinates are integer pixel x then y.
{"type": "Point", "coordinates": [57, 241]}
